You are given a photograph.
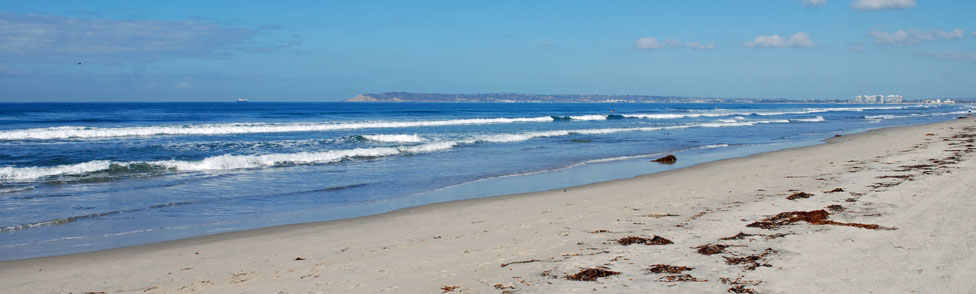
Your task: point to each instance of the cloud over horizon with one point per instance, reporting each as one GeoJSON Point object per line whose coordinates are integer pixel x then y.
{"type": "Point", "coordinates": [649, 43]}
{"type": "Point", "coordinates": [914, 36]}
{"type": "Point", "coordinates": [37, 37]}
{"type": "Point", "coordinates": [871, 5]}
{"type": "Point", "coordinates": [798, 40]}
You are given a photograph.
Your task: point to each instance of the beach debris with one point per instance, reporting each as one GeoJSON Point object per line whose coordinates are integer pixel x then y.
{"type": "Point", "coordinates": [658, 215]}
{"type": "Point", "coordinates": [520, 262]}
{"type": "Point", "coordinates": [813, 217]}
{"type": "Point", "coordinates": [600, 231]}
{"type": "Point", "coordinates": [299, 258]}
{"type": "Point", "coordinates": [835, 208]}
{"type": "Point", "coordinates": [751, 262]}
{"type": "Point", "coordinates": [738, 236]}
{"type": "Point", "coordinates": [670, 159]}
{"type": "Point", "coordinates": [680, 278]}
{"type": "Point", "coordinates": [710, 249]}
{"type": "Point", "coordinates": [799, 195]}
{"type": "Point", "coordinates": [930, 134]}
{"type": "Point", "coordinates": [777, 235]}
{"type": "Point", "coordinates": [669, 269]}
{"type": "Point", "coordinates": [656, 240]}
{"type": "Point", "coordinates": [449, 288]}
{"type": "Point", "coordinates": [895, 177]}
{"type": "Point", "coordinates": [740, 289]}
{"type": "Point", "coordinates": [835, 190]}
{"type": "Point", "coordinates": [591, 274]}
{"type": "Point", "coordinates": [503, 287]}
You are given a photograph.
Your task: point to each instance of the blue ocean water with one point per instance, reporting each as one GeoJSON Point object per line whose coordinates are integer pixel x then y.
{"type": "Point", "coordinates": [78, 177]}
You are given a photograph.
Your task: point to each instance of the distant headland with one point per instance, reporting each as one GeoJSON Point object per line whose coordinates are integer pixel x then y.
{"type": "Point", "coordinates": [539, 98]}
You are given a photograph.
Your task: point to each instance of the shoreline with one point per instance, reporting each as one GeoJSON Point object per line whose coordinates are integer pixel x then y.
{"type": "Point", "coordinates": [508, 232]}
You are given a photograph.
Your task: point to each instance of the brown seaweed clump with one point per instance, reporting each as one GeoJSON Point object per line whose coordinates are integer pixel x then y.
{"type": "Point", "coordinates": [799, 195]}
{"type": "Point", "coordinates": [670, 269]}
{"type": "Point", "coordinates": [656, 240]}
{"type": "Point", "coordinates": [680, 278]}
{"type": "Point", "coordinates": [591, 274]}
{"type": "Point", "coordinates": [813, 217]}
{"type": "Point", "coordinates": [709, 249]}
{"type": "Point", "coordinates": [835, 190]}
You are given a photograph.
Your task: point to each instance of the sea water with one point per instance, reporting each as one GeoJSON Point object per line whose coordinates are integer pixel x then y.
{"type": "Point", "coordinates": [78, 177]}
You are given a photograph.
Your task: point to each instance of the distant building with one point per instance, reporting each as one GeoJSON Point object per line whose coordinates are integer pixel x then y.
{"type": "Point", "coordinates": [877, 99]}
{"type": "Point", "coordinates": [939, 101]}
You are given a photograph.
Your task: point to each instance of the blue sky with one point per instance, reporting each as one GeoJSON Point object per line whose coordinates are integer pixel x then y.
{"type": "Point", "coordinates": [333, 50]}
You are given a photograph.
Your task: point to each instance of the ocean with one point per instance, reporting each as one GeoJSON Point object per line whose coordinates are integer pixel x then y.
{"type": "Point", "coordinates": [78, 177]}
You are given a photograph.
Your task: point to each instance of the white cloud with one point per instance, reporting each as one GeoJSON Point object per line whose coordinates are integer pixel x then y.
{"type": "Point", "coordinates": [700, 46]}
{"type": "Point", "coordinates": [35, 37]}
{"type": "Point", "coordinates": [814, 2]}
{"type": "Point", "coordinates": [914, 36]}
{"type": "Point", "coordinates": [856, 46]}
{"type": "Point", "coordinates": [798, 40]}
{"type": "Point", "coordinates": [544, 43]}
{"type": "Point", "coordinates": [951, 55]}
{"type": "Point", "coordinates": [882, 4]}
{"type": "Point", "coordinates": [767, 41]}
{"type": "Point", "coordinates": [648, 43]}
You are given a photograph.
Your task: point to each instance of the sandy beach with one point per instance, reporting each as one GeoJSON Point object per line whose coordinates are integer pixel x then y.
{"type": "Point", "coordinates": [886, 211]}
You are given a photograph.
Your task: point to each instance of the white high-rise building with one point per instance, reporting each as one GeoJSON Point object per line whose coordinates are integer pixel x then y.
{"type": "Point", "coordinates": [875, 99]}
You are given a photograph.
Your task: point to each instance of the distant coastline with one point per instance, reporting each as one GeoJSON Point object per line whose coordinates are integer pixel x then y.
{"type": "Point", "coordinates": [572, 98]}
{"type": "Point", "coordinates": [555, 98]}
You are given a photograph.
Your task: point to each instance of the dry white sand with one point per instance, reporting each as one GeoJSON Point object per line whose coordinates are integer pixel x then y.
{"type": "Point", "coordinates": [919, 188]}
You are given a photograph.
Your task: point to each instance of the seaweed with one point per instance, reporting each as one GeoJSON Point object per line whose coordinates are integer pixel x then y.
{"type": "Point", "coordinates": [591, 274]}
{"type": "Point", "coordinates": [835, 190]}
{"type": "Point", "coordinates": [520, 262]}
{"type": "Point", "coordinates": [798, 195]}
{"type": "Point", "coordinates": [680, 278]}
{"type": "Point", "coordinates": [835, 208]}
{"type": "Point", "coordinates": [656, 240]}
{"type": "Point", "coordinates": [740, 289]}
{"type": "Point", "coordinates": [670, 269]}
{"type": "Point", "coordinates": [710, 249]}
{"type": "Point", "coordinates": [751, 262]}
{"type": "Point", "coordinates": [813, 217]}
{"type": "Point", "coordinates": [738, 236]}
{"type": "Point", "coordinates": [449, 288]}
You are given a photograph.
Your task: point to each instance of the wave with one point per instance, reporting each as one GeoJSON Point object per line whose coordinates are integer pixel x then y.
{"type": "Point", "coordinates": [81, 132]}
{"type": "Point", "coordinates": [394, 138]}
{"type": "Point", "coordinates": [724, 113]}
{"type": "Point", "coordinates": [232, 162]}
{"type": "Point", "coordinates": [813, 119]}
{"type": "Point", "coordinates": [889, 116]}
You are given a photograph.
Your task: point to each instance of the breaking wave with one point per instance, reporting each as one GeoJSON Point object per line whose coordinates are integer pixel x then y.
{"type": "Point", "coordinates": [77, 132]}
{"type": "Point", "coordinates": [232, 162]}
{"type": "Point", "coordinates": [81, 132]}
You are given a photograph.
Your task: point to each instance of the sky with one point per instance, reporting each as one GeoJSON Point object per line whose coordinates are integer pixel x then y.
{"type": "Point", "coordinates": [149, 51]}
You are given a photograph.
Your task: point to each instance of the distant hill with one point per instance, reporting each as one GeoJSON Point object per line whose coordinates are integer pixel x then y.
{"type": "Point", "coordinates": [536, 98]}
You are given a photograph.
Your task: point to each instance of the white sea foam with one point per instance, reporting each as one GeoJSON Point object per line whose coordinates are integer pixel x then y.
{"type": "Point", "coordinates": [80, 132]}
{"type": "Point", "coordinates": [34, 172]}
{"type": "Point", "coordinates": [395, 138]}
{"type": "Point", "coordinates": [589, 117]}
{"type": "Point", "coordinates": [812, 119]}
{"type": "Point", "coordinates": [231, 162]}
